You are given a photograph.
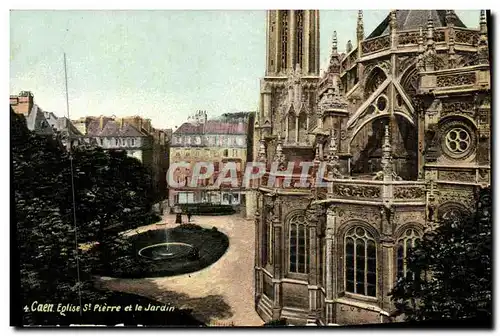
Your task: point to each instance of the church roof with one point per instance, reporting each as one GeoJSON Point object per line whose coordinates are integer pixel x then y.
{"type": "Point", "coordinates": [212, 127]}
{"type": "Point", "coordinates": [414, 19]}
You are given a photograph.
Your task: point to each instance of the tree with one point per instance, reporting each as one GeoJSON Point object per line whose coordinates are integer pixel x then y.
{"type": "Point", "coordinates": [45, 232]}
{"type": "Point", "coordinates": [111, 193]}
{"type": "Point", "coordinates": [454, 264]}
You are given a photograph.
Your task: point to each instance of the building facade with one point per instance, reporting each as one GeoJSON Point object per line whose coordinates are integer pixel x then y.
{"type": "Point", "coordinates": [137, 137]}
{"type": "Point", "coordinates": [217, 141]}
{"type": "Point", "coordinates": [401, 121]}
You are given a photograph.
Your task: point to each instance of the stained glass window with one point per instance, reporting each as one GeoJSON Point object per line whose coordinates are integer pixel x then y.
{"type": "Point", "coordinates": [404, 246]}
{"type": "Point", "coordinates": [299, 245]}
{"type": "Point", "coordinates": [360, 262]}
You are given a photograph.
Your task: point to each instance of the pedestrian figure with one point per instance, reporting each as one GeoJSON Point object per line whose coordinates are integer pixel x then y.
{"type": "Point", "coordinates": [178, 215]}
{"type": "Point", "coordinates": [189, 217]}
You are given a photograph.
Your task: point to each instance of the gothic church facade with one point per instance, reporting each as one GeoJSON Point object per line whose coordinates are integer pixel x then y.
{"type": "Point", "coordinates": [402, 122]}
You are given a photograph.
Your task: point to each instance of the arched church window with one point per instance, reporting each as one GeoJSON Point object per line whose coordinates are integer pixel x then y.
{"type": "Point", "coordinates": [302, 121]}
{"type": "Point", "coordinates": [375, 79]}
{"type": "Point", "coordinates": [292, 120]}
{"type": "Point", "coordinates": [299, 245]}
{"type": "Point", "coordinates": [452, 213]}
{"type": "Point", "coordinates": [404, 246]}
{"type": "Point", "coordinates": [265, 240]}
{"type": "Point", "coordinates": [409, 82]}
{"type": "Point", "coordinates": [360, 262]}
{"type": "Point", "coordinates": [300, 30]}
{"type": "Point", "coordinates": [284, 39]}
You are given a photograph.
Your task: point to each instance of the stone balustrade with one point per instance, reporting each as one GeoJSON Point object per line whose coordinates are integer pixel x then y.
{"type": "Point", "coordinates": [375, 44]}
{"type": "Point", "coordinates": [473, 78]}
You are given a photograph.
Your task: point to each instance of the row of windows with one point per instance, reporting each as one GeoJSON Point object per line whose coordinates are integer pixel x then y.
{"type": "Point", "coordinates": [359, 255]}
{"type": "Point", "coordinates": [122, 141]}
{"type": "Point", "coordinates": [209, 152]}
{"type": "Point", "coordinates": [215, 140]}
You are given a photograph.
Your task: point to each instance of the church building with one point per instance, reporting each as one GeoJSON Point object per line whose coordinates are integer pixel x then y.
{"type": "Point", "coordinates": [402, 123]}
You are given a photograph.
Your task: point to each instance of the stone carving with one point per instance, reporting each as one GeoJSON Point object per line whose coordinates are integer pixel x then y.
{"type": "Point", "coordinates": [368, 215]}
{"type": "Point", "coordinates": [452, 211]}
{"type": "Point", "coordinates": [438, 36]}
{"type": "Point", "coordinates": [262, 156]}
{"type": "Point", "coordinates": [332, 158]}
{"type": "Point", "coordinates": [279, 157]}
{"type": "Point", "coordinates": [409, 192]}
{"type": "Point", "coordinates": [461, 176]}
{"type": "Point", "coordinates": [484, 175]}
{"type": "Point", "coordinates": [458, 106]}
{"type": "Point", "coordinates": [376, 44]}
{"type": "Point", "coordinates": [403, 217]}
{"type": "Point", "coordinates": [456, 80]}
{"type": "Point", "coordinates": [355, 191]}
{"type": "Point", "coordinates": [332, 211]}
{"type": "Point", "coordinates": [315, 215]}
{"type": "Point", "coordinates": [457, 196]}
{"type": "Point", "coordinates": [408, 38]}
{"type": "Point", "coordinates": [332, 100]}
{"type": "Point", "coordinates": [466, 37]}
{"type": "Point", "coordinates": [387, 214]}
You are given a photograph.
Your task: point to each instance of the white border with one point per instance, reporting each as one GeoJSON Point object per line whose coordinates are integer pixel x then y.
{"type": "Point", "coordinates": [186, 4]}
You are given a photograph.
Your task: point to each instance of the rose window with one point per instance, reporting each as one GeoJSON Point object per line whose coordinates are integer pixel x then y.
{"type": "Point", "coordinates": [458, 141]}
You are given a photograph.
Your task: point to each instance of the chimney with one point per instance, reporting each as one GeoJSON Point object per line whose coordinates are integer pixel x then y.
{"type": "Point", "coordinates": [101, 122]}
{"type": "Point", "coordinates": [121, 122]}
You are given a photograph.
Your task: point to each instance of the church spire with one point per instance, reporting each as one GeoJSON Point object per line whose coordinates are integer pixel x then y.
{"type": "Point", "coordinates": [450, 17]}
{"type": "Point", "coordinates": [420, 58]}
{"type": "Point", "coordinates": [387, 168]}
{"type": "Point", "coordinates": [360, 31]}
{"type": "Point", "coordinates": [430, 29]}
{"type": "Point", "coordinates": [334, 43]}
{"type": "Point", "coordinates": [392, 20]}
{"type": "Point", "coordinates": [482, 47]}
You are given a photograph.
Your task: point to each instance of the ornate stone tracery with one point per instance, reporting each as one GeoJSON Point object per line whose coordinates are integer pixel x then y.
{"type": "Point", "coordinates": [456, 80]}
{"type": "Point", "coordinates": [376, 44]}
{"type": "Point", "coordinates": [458, 139]}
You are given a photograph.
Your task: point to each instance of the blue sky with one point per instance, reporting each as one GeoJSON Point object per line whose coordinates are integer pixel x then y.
{"type": "Point", "coordinates": [163, 65]}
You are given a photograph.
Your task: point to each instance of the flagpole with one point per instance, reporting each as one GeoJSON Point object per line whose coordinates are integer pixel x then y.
{"type": "Point", "coordinates": [69, 145]}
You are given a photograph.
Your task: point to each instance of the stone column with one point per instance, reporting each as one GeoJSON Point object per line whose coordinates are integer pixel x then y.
{"type": "Point", "coordinates": [387, 255]}
{"type": "Point", "coordinates": [258, 264]}
{"type": "Point", "coordinates": [286, 128]}
{"type": "Point", "coordinates": [313, 275]}
{"type": "Point", "coordinates": [331, 266]}
{"type": "Point", "coordinates": [266, 100]}
{"type": "Point", "coordinates": [387, 274]}
{"type": "Point", "coordinates": [277, 260]}
{"type": "Point", "coordinates": [296, 129]}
